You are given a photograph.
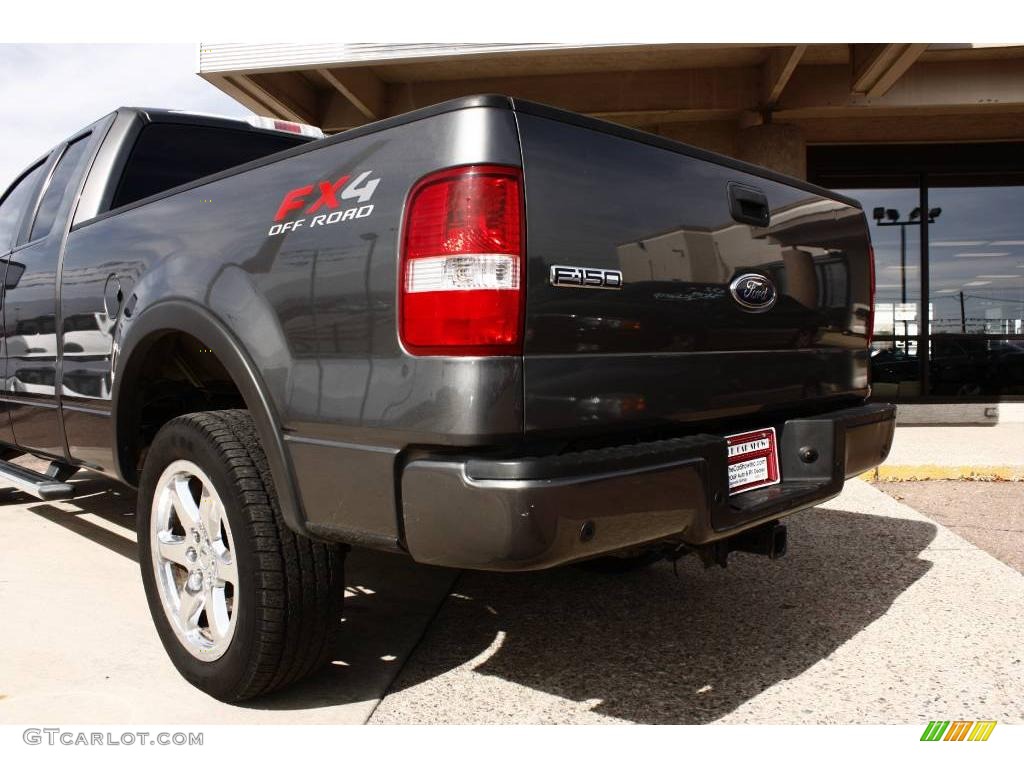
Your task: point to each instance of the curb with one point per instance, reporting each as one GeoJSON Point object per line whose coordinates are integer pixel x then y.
{"type": "Point", "coordinates": [901, 472]}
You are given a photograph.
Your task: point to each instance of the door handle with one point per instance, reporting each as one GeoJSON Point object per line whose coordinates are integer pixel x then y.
{"type": "Point", "coordinates": [748, 205]}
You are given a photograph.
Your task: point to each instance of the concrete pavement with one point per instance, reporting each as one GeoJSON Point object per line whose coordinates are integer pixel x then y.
{"type": "Point", "coordinates": [877, 615]}
{"type": "Point", "coordinates": [79, 646]}
{"type": "Point", "coordinates": [994, 452]}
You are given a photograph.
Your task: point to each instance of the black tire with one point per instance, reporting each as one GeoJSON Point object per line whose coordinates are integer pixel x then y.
{"type": "Point", "coordinates": [614, 564]}
{"type": "Point", "coordinates": [290, 589]}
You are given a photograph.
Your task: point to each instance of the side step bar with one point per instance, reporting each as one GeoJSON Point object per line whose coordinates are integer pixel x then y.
{"type": "Point", "coordinates": [48, 487]}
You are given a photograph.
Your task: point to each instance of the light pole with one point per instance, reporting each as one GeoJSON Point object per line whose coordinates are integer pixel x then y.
{"type": "Point", "coordinates": [890, 217]}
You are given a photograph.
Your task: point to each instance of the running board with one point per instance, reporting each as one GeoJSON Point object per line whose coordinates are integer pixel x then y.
{"type": "Point", "coordinates": [45, 487]}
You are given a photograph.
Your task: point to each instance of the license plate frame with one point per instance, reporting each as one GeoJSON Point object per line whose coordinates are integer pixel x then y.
{"type": "Point", "coordinates": [753, 460]}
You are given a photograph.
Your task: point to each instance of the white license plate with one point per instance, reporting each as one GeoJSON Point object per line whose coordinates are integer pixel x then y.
{"type": "Point", "coordinates": [753, 460]}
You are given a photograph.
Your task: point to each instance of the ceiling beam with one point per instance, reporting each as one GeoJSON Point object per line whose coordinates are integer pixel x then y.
{"type": "Point", "coordinates": [776, 71]}
{"type": "Point", "coordinates": [338, 113]}
{"type": "Point", "coordinates": [699, 93]}
{"type": "Point", "coordinates": [290, 95]}
{"type": "Point", "coordinates": [983, 126]}
{"type": "Point", "coordinates": [643, 119]}
{"type": "Point", "coordinates": [930, 88]}
{"type": "Point", "coordinates": [361, 87]}
{"type": "Point", "coordinates": [241, 91]}
{"type": "Point", "coordinates": [877, 66]}
{"type": "Point", "coordinates": [262, 101]}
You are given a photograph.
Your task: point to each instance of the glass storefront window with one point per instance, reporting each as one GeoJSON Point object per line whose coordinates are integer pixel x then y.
{"type": "Point", "coordinates": [897, 242]}
{"type": "Point", "coordinates": [963, 367]}
{"type": "Point", "coordinates": [976, 260]}
{"type": "Point", "coordinates": [895, 369]}
{"type": "Point", "coordinates": [896, 238]}
{"type": "Point", "coordinates": [965, 339]}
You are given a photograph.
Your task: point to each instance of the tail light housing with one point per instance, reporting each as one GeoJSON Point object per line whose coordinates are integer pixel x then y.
{"type": "Point", "coordinates": [461, 275]}
{"type": "Point", "coordinates": [870, 329]}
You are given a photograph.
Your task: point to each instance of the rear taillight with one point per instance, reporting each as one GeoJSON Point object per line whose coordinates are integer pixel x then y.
{"type": "Point", "coordinates": [870, 329]}
{"type": "Point", "coordinates": [461, 274]}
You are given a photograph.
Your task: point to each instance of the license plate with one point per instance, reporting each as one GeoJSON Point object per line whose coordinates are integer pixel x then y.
{"type": "Point", "coordinates": [753, 460]}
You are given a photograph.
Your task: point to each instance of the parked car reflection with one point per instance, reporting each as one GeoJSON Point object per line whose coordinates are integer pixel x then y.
{"type": "Point", "coordinates": [959, 366]}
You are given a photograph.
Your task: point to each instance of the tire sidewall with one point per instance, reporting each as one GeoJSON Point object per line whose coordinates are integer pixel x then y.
{"type": "Point", "coordinates": [182, 439]}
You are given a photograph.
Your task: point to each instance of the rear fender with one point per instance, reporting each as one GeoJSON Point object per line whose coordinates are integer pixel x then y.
{"type": "Point", "coordinates": [179, 315]}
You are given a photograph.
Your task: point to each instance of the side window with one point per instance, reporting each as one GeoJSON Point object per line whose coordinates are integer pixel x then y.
{"type": "Point", "coordinates": [14, 203]}
{"type": "Point", "coordinates": [66, 172]}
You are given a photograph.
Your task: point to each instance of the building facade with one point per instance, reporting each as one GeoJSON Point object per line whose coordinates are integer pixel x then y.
{"type": "Point", "coordinates": [929, 137]}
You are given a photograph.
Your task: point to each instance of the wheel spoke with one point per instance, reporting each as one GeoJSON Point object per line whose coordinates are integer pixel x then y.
{"type": "Point", "coordinates": [184, 505]}
{"type": "Point", "coordinates": [210, 512]}
{"type": "Point", "coordinates": [227, 569]}
{"type": "Point", "coordinates": [192, 604]}
{"type": "Point", "coordinates": [173, 549]}
{"type": "Point", "coordinates": [217, 613]}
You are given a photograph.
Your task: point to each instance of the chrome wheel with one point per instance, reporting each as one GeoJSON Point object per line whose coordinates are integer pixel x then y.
{"type": "Point", "coordinates": [194, 560]}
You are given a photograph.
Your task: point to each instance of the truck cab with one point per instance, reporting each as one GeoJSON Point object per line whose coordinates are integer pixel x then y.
{"type": "Point", "coordinates": [124, 157]}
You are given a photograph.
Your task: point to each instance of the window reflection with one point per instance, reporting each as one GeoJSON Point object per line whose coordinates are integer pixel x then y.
{"type": "Point", "coordinates": [969, 325]}
{"type": "Point", "coordinates": [896, 239]}
{"type": "Point", "coordinates": [897, 259]}
{"type": "Point", "coordinates": [895, 370]}
{"type": "Point", "coordinates": [976, 256]}
{"type": "Point", "coordinates": [975, 366]}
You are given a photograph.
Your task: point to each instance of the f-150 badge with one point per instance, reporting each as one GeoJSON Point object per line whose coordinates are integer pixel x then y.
{"type": "Point", "coordinates": [586, 277]}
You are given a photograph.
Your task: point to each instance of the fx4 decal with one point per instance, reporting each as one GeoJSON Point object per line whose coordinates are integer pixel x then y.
{"type": "Point", "coordinates": [326, 199]}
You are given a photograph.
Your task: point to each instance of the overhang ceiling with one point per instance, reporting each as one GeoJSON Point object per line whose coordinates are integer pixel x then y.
{"type": "Point", "coordinates": [838, 92]}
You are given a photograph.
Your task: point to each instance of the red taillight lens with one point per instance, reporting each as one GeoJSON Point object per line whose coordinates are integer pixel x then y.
{"type": "Point", "coordinates": [871, 306]}
{"type": "Point", "coordinates": [461, 275]}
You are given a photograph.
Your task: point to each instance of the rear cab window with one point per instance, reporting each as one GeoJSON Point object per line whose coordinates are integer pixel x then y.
{"type": "Point", "coordinates": [16, 201]}
{"type": "Point", "coordinates": [167, 155]}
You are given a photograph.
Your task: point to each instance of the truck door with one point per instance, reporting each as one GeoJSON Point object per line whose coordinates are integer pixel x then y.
{"type": "Point", "coordinates": [30, 307]}
{"type": "Point", "coordinates": [15, 204]}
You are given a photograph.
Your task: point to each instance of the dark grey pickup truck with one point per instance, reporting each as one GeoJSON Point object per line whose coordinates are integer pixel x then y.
{"type": "Point", "coordinates": [488, 334]}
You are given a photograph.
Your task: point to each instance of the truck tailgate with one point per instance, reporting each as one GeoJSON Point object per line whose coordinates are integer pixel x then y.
{"type": "Point", "coordinates": [676, 341]}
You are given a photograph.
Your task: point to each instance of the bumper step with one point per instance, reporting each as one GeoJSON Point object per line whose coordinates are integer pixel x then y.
{"type": "Point", "coordinates": [48, 487]}
{"type": "Point", "coordinates": [531, 512]}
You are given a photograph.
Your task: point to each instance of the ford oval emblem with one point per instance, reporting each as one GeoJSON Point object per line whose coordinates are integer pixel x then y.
{"type": "Point", "coordinates": [754, 292]}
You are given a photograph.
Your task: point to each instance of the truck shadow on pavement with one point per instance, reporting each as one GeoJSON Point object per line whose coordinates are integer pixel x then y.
{"type": "Point", "coordinates": [388, 605]}
{"type": "Point", "coordinates": [97, 496]}
{"type": "Point", "coordinates": [649, 647]}
{"type": "Point", "coordinates": [646, 647]}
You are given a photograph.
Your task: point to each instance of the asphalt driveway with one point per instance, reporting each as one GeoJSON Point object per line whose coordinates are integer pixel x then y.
{"type": "Point", "coordinates": [878, 614]}
{"type": "Point", "coordinates": [987, 514]}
